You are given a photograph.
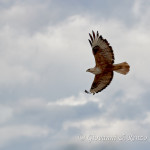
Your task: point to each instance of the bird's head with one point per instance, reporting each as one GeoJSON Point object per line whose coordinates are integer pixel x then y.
{"type": "Point", "coordinates": [90, 70]}
{"type": "Point", "coordinates": [94, 70]}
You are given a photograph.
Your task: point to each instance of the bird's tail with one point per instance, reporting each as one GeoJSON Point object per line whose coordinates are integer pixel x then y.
{"type": "Point", "coordinates": [122, 68]}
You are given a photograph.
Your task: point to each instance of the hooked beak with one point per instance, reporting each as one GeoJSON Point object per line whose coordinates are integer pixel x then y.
{"type": "Point", "coordinates": [87, 70]}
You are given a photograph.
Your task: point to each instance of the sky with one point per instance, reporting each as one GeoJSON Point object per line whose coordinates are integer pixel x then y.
{"type": "Point", "coordinates": [44, 55]}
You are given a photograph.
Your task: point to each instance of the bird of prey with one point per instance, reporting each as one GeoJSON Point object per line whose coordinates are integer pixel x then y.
{"type": "Point", "coordinates": [104, 59]}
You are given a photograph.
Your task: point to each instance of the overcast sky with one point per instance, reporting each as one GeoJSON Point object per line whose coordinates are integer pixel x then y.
{"type": "Point", "coordinates": [44, 54]}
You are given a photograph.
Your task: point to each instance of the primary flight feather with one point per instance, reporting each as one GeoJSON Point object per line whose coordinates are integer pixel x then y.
{"type": "Point", "coordinates": [104, 60]}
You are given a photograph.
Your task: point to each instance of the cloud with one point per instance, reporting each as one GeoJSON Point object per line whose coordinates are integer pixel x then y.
{"type": "Point", "coordinates": [24, 15]}
{"type": "Point", "coordinates": [136, 7]}
{"type": "Point", "coordinates": [101, 126]}
{"type": "Point", "coordinates": [43, 59]}
{"type": "Point", "coordinates": [74, 101]}
{"type": "Point", "coordinates": [141, 12]}
{"type": "Point", "coordinates": [6, 113]}
{"type": "Point", "coordinates": [111, 122]}
{"type": "Point", "coordinates": [38, 59]}
{"type": "Point", "coordinates": [10, 133]}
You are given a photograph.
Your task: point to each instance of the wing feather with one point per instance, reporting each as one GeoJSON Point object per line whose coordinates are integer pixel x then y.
{"type": "Point", "coordinates": [97, 34]}
{"type": "Point", "coordinates": [100, 60]}
{"type": "Point", "coordinates": [91, 37]}
{"type": "Point", "coordinates": [105, 49]}
{"type": "Point", "coordinates": [101, 81]}
{"type": "Point", "coordinates": [93, 34]}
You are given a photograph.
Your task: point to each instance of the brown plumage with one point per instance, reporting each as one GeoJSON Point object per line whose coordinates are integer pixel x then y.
{"type": "Point", "coordinates": [104, 60]}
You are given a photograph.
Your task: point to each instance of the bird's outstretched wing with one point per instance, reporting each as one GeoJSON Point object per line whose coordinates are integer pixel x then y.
{"type": "Point", "coordinates": [101, 81]}
{"type": "Point", "coordinates": [102, 51]}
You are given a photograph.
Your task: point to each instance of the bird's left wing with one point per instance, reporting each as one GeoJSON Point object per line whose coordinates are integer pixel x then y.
{"type": "Point", "coordinates": [104, 50]}
{"type": "Point", "coordinates": [101, 81]}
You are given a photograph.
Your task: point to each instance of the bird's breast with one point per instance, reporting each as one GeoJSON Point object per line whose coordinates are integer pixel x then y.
{"type": "Point", "coordinates": [98, 70]}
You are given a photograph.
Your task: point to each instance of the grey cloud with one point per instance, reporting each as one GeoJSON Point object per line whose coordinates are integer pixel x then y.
{"type": "Point", "coordinates": [33, 16]}
{"type": "Point", "coordinates": [44, 53]}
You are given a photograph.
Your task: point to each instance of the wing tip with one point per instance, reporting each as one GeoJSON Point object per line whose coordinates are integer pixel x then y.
{"type": "Point", "coordinates": [90, 42]}
{"type": "Point", "coordinates": [87, 92]}
{"type": "Point", "coordinates": [91, 37]}
{"type": "Point", "coordinates": [97, 34]}
{"type": "Point", "coordinates": [93, 34]}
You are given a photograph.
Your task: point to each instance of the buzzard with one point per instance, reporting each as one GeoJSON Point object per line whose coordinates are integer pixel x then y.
{"type": "Point", "coordinates": [104, 59]}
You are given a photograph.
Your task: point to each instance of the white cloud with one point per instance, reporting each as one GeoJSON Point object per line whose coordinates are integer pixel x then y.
{"type": "Point", "coordinates": [102, 126]}
{"type": "Point", "coordinates": [75, 101]}
{"type": "Point", "coordinates": [6, 113]}
{"type": "Point", "coordinates": [142, 12]}
{"type": "Point", "coordinates": [23, 16]}
{"type": "Point", "coordinates": [26, 104]}
{"type": "Point", "coordinates": [13, 74]}
{"type": "Point", "coordinates": [136, 7]}
{"type": "Point", "coordinates": [10, 133]}
{"type": "Point", "coordinates": [147, 119]}
{"type": "Point", "coordinates": [25, 57]}
{"type": "Point", "coordinates": [58, 56]}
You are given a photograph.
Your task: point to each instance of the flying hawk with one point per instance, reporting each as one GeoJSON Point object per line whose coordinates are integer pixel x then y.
{"type": "Point", "coordinates": [104, 59]}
